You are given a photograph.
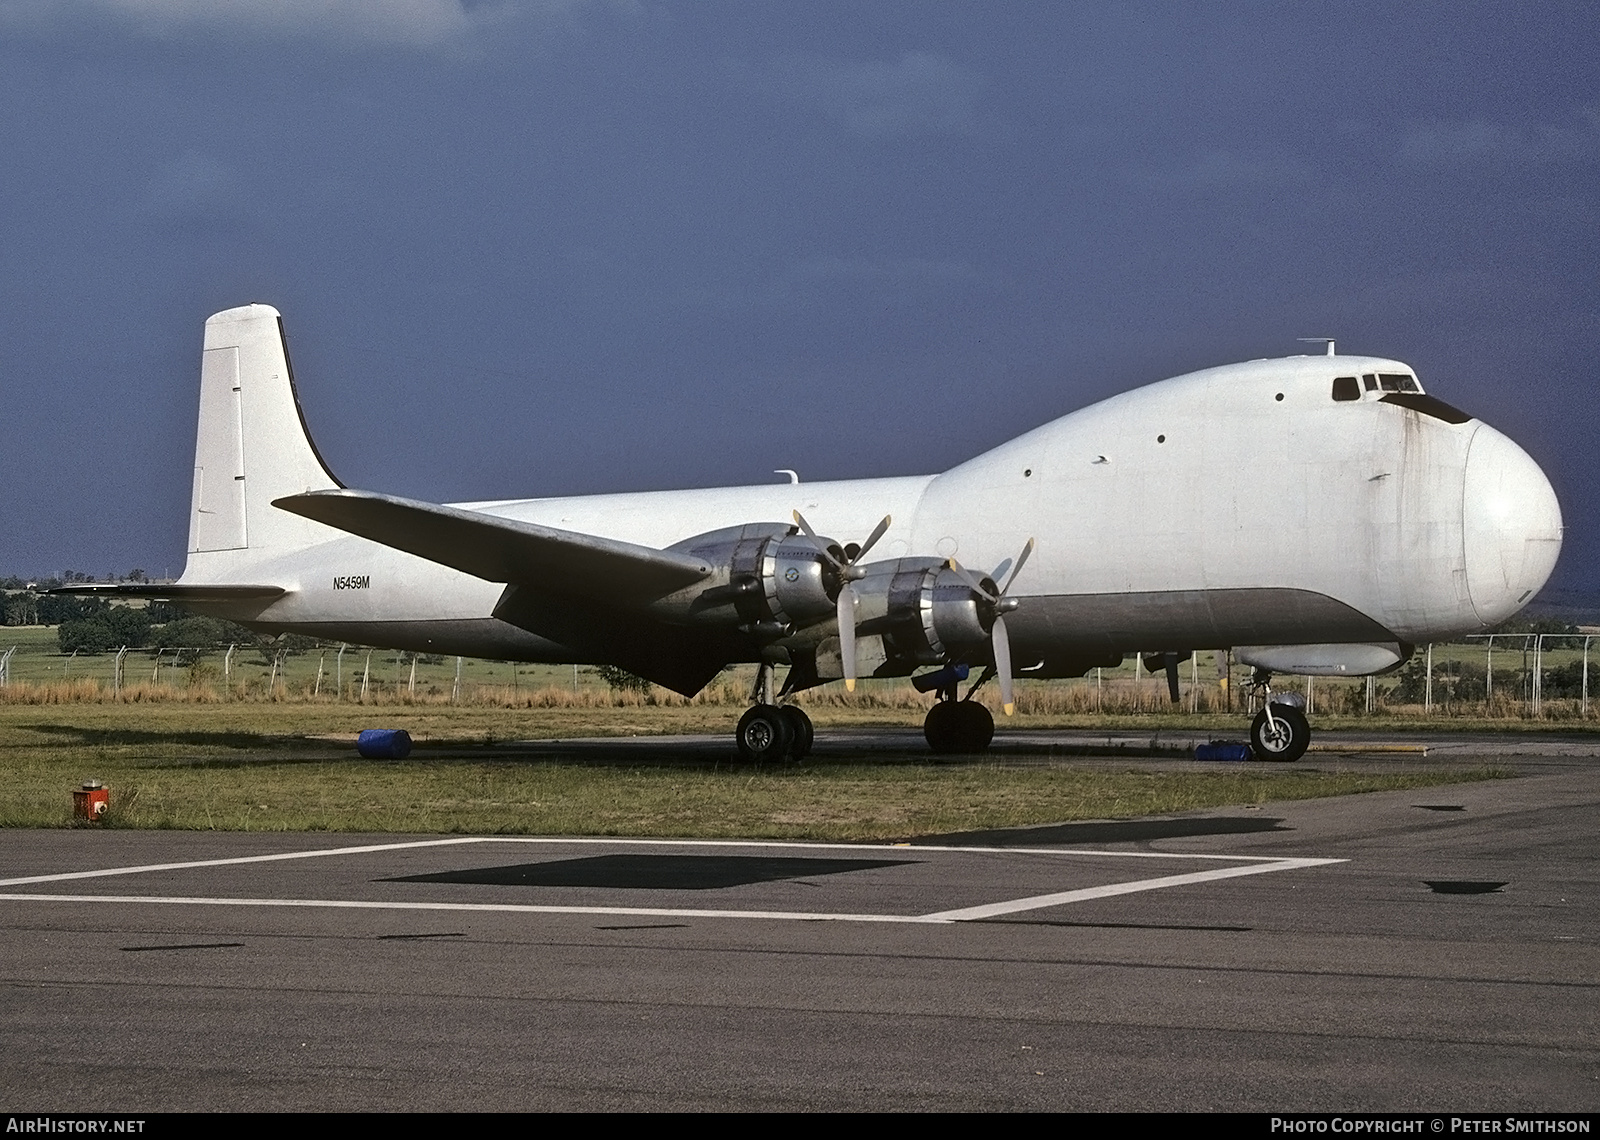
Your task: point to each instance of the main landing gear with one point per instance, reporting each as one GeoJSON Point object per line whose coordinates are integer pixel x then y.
{"type": "Point", "coordinates": [1280, 730]}
{"type": "Point", "coordinates": [771, 732]}
{"type": "Point", "coordinates": [955, 725]}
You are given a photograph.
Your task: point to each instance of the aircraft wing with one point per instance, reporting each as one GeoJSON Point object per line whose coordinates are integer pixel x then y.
{"type": "Point", "coordinates": [504, 550]}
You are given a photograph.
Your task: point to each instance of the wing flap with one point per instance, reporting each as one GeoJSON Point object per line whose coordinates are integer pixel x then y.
{"type": "Point", "coordinates": [504, 550]}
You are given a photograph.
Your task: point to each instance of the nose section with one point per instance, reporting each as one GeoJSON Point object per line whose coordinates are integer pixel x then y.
{"type": "Point", "coordinates": [1511, 526]}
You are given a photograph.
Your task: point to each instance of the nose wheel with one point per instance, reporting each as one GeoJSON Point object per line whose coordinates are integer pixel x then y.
{"type": "Point", "coordinates": [1285, 738]}
{"type": "Point", "coordinates": [1280, 731]}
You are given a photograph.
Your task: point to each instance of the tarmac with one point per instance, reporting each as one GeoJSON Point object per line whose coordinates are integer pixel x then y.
{"type": "Point", "coordinates": [1426, 951]}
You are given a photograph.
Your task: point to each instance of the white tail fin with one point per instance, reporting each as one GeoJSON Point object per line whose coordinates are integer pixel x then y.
{"type": "Point", "coordinates": [252, 447]}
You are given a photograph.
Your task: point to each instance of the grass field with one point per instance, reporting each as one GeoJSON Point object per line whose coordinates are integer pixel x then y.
{"type": "Point", "coordinates": [291, 766]}
{"type": "Point", "coordinates": [38, 672]}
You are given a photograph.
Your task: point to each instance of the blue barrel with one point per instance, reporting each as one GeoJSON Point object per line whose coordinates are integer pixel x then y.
{"type": "Point", "coordinates": [1222, 750]}
{"type": "Point", "coordinates": [384, 743]}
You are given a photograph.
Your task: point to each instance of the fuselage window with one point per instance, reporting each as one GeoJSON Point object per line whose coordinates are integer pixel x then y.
{"type": "Point", "coordinates": [1370, 381]}
{"type": "Point", "coordinates": [1396, 382]}
{"type": "Point", "coordinates": [1346, 388]}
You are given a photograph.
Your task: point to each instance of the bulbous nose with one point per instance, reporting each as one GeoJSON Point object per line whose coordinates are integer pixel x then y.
{"type": "Point", "coordinates": [1511, 526]}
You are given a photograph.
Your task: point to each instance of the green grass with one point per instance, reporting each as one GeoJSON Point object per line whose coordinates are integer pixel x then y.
{"type": "Point", "coordinates": [291, 767]}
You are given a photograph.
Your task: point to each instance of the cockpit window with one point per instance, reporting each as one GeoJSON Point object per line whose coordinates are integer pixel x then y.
{"type": "Point", "coordinates": [1397, 382]}
{"type": "Point", "coordinates": [1371, 381]}
{"type": "Point", "coordinates": [1346, 388]}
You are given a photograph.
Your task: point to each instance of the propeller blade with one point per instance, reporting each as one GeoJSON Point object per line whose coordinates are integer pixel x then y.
{"type": "Point", "coordinates": [970, 580]}
{"type": "Point", "coordinates": [1016, 567]}
{"type": "Point", "coordinates": [1002, 664]}
{"type": "Point", "coordinates": [872, 539]}
{"type": "Point", "coordinates": [847, 635]}
{"type": "Point", "coordinates": [1172, 676]}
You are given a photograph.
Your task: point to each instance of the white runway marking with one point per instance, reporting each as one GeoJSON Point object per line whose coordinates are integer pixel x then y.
{"type": "Point", "coordinates": [465, 839]}
{"type": "Point", "coordinates": [1242, 865]}
{"type": "Point", "coordinates": [510, 908]}
{"type": "Point", "coordinates": [235, 861]}
{"type": "Point", "coordinates": [1037, 902]}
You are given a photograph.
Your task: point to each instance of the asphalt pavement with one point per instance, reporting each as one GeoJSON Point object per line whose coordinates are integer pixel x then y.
{"type": "Point", "coordinates": [1431, 951]}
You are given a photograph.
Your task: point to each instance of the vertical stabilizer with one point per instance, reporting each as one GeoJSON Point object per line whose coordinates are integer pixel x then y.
{"type": "Point", "coordinates": [252, 446]}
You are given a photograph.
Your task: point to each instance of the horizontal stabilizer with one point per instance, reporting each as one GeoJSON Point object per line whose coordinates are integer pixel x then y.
{"type": "Point", "coordinates": [504, 550]}
{"type": "Point", "coordinates": [174, 592]}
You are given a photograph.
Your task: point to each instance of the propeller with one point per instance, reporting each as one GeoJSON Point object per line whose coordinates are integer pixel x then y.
{"type": "Point", "coordinates": [849, 570]}
{"type": "Point", "coordinates": [1000, 640]}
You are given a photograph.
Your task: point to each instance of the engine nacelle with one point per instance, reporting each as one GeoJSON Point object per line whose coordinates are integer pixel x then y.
{"type": "Point", "coordinates": [769, 581]}
{"type": "Point", "coordinates": [923, 609]}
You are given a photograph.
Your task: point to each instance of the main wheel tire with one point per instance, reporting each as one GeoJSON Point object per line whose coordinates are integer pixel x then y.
{"type": "Point", "coordinates": [1290, 740]}
{"type": "Point", "coordinates": [764, 734]}
{"type": "Point", "coordinates": [958, 726]}
{"type": "Point", "coordinates": [977, 726]}
{"type": "Point", "coordinates": [942, 727]}
{"type": "Point", "coordinates": [801, 732]}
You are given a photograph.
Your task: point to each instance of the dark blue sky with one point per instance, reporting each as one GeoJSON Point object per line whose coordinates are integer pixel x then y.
{"type": "Point", "coordinates": [528, 249]}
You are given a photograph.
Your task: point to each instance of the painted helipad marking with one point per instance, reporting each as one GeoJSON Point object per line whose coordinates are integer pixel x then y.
{"type": "Point", "coordinates": [1242, 865]}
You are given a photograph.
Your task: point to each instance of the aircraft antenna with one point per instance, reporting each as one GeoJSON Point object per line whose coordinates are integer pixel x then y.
{"type": "Point", "coordinates": [794, 476]}
{"type": "Point", "coordinates": [1327, 340]}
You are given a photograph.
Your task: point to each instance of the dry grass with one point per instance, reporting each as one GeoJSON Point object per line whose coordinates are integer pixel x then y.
{"type": "Point", "coordinates": [1043, 704]}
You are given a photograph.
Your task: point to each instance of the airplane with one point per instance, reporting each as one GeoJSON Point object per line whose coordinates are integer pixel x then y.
{"type": "Point", "coordinates": [1318, 515]}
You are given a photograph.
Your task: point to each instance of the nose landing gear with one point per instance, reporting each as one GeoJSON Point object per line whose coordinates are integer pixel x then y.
{"type": "Point", "coordinates": [1280, 730]}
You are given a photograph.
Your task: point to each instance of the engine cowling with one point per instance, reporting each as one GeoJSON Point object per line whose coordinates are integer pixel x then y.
{"type": "Point", "coordinates": [924, 611]}
{"type": "Point", "coordinates": [769, 581]}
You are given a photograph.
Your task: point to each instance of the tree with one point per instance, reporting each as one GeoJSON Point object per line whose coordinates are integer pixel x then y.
{"type": "Point", "coordinates": [53, 609]}
{"type": "Point", "coordinates": [201, 633]}
{"type": "Point", "coordinates": [85, 635]}
{"type": "Point", "coordinates": [622, 680]}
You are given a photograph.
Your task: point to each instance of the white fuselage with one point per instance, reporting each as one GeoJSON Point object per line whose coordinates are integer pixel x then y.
{"type": "Point", "coordinates": [1240, 505]}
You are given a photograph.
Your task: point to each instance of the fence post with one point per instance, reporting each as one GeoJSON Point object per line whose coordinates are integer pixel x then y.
{"type": "Point", "coordinates": [455, 690]}
{"type": "Point", "coordinates": [366, 673]}
{"type": "Point", "coordinates": [411, 685]}
{"type": "Point", "coordinates": [1488, 681]}
{"type": "Point", "coordinates": [1583, 707]}
{"type": "Point", "coordinates": [316, 689]}
{"type": "Point", "coordinates": [1538, 675]}
{"type": "Point", "coordinates": [1427, 687]}
{"type": "Point", "coordinates": [338, 665]}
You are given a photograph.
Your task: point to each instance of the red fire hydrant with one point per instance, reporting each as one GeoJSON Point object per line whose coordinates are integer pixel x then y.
{"type": "Point", "coordinates": [90, 802]}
